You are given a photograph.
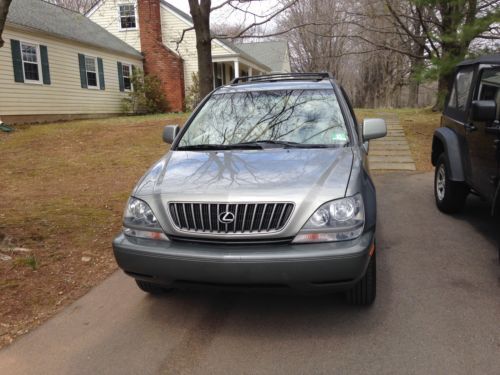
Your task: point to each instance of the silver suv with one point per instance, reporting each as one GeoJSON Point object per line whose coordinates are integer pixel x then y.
{"type": "Point", "coordinates": [266, 185]}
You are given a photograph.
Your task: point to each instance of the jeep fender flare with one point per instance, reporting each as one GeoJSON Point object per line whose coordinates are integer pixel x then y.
{"type": "Point", "coordinates": [446, 140]}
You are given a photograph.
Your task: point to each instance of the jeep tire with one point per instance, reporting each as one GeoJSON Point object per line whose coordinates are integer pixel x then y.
{"type": "Point", "coordinates": [450, 195]}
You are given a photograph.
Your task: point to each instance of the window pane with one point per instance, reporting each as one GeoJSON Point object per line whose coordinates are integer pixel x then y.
{"type": "Point", "coordinates": [127, 83]}
{"type": "Point", "coordinates": [29, 53]}
{"type": "Point", "coordinates": [127, 16]}
{"type": "Point", "coordinates": [303, 116]}
{"type": "Point", "coordinates": [452, 103]}
{"type": "Point", "coordinates": [463, 83]}
{"type": "Point", "coordinates": [126, 70]}
{"type": "Point", "coordinates": [31, 71]}
{"type": "Point", "coordinates": [91, 79]}
{"type": "Point", "coordinates": [90, 64]}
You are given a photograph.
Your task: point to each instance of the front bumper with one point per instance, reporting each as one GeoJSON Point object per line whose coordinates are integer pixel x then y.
{"type": "Point", "coordinates": [334, 265]}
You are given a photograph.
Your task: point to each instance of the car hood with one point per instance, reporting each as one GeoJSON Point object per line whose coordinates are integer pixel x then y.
{"type": "Point", "coordinates": [279, 175]}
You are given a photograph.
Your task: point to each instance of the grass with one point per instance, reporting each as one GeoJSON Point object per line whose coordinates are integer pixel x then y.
{"type": "Point", "coordinates": [28, 261]}
{"type": "Point", "coordinates": [64, 186]}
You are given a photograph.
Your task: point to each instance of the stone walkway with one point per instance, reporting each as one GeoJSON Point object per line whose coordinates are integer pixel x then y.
{"type": "Point", "coordinates": [391, 153]}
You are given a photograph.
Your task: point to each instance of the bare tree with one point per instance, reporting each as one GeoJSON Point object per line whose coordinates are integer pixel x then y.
{"type": "Point", "coordinates": [200, 11]}
{"type": "Point", "coordinates": [4, 9]}
{"type": "Point", "coordinates": [80, 6]}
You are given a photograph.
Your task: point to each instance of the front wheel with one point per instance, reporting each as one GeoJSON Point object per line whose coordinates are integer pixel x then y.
{"type": "Point", "coordinates": [450, 195]}
{"type": "Point", "coordinates": [151, 288]}
{"type": "Point", "coordinates": [365, 291]}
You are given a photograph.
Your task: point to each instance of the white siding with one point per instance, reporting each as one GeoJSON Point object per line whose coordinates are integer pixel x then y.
{"type": "Point", "coordinates": [64, 95]}
{"type": "Point", "coordinates": [107, 16]}
{"type": "Point", "coordinates": [172, 27]}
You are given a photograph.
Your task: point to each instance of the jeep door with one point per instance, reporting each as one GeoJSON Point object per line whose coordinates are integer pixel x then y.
{"type": "Point", "coordinates": [456, 111]}
{"type": "Point", "coordinates": [483, 139]}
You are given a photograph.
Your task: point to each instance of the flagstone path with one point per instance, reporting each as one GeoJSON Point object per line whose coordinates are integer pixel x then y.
{"type": "Point", "coordinates": [392, 152]}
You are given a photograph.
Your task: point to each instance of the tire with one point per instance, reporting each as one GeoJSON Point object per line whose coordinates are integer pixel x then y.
{"type": "Point", "coordinates": [365, 291]}
{"type": "Point", "coordinates": [450, 195]}
{"type": "Point", "coordinates": [151, 288]}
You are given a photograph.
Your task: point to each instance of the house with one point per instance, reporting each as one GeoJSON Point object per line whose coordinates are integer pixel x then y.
{"type": "Point", "coordinates": [154, 27]}
{"type": "Point", "coordinates": [274, 54]}
{"type": "Point", "coordinates": [57, 64]}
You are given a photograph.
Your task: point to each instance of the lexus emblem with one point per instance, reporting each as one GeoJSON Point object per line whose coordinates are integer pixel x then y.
{"type": "Point", "coordinates": [226, 217]}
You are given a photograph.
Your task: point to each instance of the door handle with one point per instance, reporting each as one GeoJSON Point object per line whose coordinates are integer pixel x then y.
{"type": "Point", "coordinates": [470, 127]}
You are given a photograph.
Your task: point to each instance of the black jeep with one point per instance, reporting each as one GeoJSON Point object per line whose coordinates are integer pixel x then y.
{"type": "Point", "coordinates": [466, 148]}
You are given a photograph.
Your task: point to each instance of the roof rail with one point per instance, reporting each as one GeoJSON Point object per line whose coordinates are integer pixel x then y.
{"type": "Point", "coordinates": [282, 77]}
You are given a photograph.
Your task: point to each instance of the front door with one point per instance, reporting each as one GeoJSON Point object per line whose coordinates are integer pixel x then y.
{"type": "Point", "coordinates": [484, 142]}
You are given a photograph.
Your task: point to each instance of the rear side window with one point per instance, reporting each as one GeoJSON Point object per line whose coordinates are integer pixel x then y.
{"type": "Point", "coordinates": [459, 96]}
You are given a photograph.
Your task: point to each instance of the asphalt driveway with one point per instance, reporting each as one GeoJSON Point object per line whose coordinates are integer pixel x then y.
{"type": "Point", "coordinates": [437, 311]}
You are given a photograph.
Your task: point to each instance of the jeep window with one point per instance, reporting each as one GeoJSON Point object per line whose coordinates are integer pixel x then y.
{"type": "Point", "coordinates": [489, 88]}
{"type": "Point", "coordinates": [458, 100]}
{"type": "Point", "coordinates": [302, 117]}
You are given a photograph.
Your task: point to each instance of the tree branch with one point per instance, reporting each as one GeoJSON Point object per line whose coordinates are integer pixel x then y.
{"type": "Point", "coordinates": [4, 9]}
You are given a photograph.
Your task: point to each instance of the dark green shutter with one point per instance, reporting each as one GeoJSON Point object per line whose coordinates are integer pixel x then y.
{"type": "Point", "coordinates": [83, 71]}
{"type": "Point", "coordinates": [44, 56]}
{"type": "Point", "coordinates": [100, 66]}
{"type": "Point", "coordinates": [120, 77]}
{"type": "Point", "coordinates": [17, 61]}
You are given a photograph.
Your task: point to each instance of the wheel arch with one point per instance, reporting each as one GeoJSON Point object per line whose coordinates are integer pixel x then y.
{"type": "Point", "coordinates": [446, 140]}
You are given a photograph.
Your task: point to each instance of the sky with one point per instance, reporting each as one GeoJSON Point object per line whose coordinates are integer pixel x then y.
{"type": "Point", "coordinates": [227, 15]}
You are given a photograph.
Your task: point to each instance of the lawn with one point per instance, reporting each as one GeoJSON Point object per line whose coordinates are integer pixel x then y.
{"type": "Point", "coordinates": [63, 189]}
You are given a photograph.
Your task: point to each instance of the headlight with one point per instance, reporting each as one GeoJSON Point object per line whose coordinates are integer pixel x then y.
{"type": "Point", "coordinates": [338, 220]}
{"type": "Point", "coordinates": [140, 221]}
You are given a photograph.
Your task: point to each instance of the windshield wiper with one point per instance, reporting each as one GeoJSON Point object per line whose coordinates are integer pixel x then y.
{"type": "Point", "coordinates": [217, 147]}
{"type": "Point", "coordinates": [287, 144]}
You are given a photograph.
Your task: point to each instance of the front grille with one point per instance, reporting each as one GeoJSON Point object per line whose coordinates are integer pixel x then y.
{"type": "Point", "coordinates": [230, 217]}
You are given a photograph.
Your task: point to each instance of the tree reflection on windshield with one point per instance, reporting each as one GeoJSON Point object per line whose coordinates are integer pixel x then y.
{"type": "Point", "coordinates": [301, 116]}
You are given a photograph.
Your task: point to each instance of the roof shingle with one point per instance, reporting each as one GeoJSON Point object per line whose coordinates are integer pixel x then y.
{"type": "Point", "coordinates": [65, 23]}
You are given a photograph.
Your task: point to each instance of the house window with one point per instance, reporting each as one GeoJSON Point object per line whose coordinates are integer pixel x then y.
{"type": "Point", "coordinates": [91, 69]}
{"type": "Point", "coordinates": [127, 77]}
{"type": "Point", "coordinates": [128, 17]}
{"type": "Point", "coordinates": [31, 62]}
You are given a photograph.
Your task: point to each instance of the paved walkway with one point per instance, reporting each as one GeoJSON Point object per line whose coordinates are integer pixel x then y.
{"type": "Point", "coordinates": [391, 153]}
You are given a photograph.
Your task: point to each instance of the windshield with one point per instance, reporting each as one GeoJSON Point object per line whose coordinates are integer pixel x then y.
{"type": "Point", "coordinates": [303, 117]}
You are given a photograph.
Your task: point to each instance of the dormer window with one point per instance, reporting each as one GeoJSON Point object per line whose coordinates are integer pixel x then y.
{"type": "Point", "coordinates": [128, 16]}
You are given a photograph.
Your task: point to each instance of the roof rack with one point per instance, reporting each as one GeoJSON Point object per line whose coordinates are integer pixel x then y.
{"type": "Point", "coordinates": [282, 77]}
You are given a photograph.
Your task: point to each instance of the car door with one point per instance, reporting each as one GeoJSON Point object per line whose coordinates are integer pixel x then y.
{"type": "Point", "coordinates": [456, 111]}
{"type": "Point", "coordinates": [483, 140]}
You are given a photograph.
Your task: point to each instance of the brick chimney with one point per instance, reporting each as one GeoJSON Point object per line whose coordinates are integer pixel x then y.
{"type": "Point", "coordinates": [158, 59]}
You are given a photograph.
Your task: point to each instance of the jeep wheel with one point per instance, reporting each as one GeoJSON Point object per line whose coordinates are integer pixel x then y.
{"type": "Point", "coordinates": [364, 292]}
{"type": "Point", "coordinates": [151, 288]}
{"type": "Point", "coordinates": [450, 195]}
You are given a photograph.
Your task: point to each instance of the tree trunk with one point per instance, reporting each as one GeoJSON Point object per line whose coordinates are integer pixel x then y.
{"type": "Point", "coordinates": [4, 9]}
{"type": "Point", "coordinates": [201, 20]}
{"type": "Point", "coordinates": [413, 88]}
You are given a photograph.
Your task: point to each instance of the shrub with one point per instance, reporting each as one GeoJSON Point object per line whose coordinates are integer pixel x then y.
{"type": "Point", "coordinates": [146, 97]}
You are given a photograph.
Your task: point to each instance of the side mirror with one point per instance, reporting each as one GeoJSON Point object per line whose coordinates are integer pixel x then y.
{"type": "Point", "coordinates": [374, 128]}
{"type": "Point", "coordinates": [169, 133]}
{"type": "Point", "coordinates": [484, 110]}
